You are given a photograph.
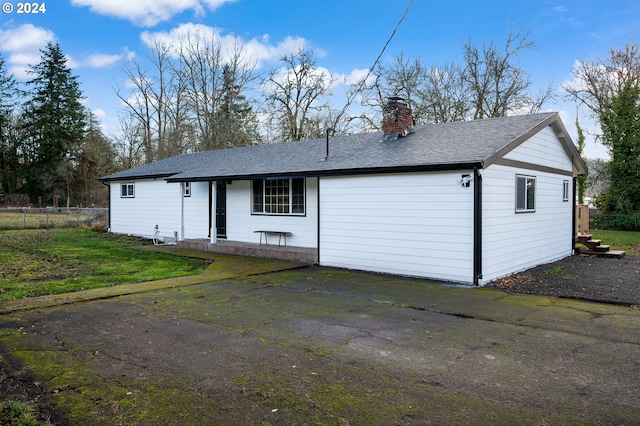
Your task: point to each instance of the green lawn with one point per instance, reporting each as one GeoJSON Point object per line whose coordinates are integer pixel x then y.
{"type": "Point", "coordinates": [36, 262]}
{"type": "Point", "coordinates": [628, 241]}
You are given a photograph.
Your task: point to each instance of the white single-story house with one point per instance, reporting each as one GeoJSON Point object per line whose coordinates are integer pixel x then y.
{"type": "Point", "coordinates": [466, 202]}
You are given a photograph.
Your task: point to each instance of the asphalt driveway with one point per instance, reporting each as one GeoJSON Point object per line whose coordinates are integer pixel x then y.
{"type": "Point", "coordinates": [326, 346]}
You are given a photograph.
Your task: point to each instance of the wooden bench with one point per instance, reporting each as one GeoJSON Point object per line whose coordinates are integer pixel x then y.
{"type": "Point", "coordinates": [282, 235]}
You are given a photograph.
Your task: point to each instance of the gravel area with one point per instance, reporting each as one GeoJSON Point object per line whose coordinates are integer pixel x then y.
{"type": "Point", "coordinates": [586, 277]}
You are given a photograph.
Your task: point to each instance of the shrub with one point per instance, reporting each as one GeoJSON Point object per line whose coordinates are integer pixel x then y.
{"type": "Point", "coordinates": [621, 222]}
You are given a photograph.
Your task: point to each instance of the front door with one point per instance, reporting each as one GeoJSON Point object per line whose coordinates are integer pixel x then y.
{"type": "Point", "coordinates": [221, 209]}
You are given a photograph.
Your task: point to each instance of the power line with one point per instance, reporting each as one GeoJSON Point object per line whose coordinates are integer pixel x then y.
{"type": "Point", "coordinates": [362, 82]}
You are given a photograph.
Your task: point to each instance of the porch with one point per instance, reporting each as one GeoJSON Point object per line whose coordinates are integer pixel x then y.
{"type": "Point", "coordinates": [299, 254]}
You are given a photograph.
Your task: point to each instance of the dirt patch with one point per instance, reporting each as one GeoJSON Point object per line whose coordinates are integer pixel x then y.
{"type": "Point", "coordinates": [582, 277]}
{"type": "Point", "coordinates": [17, 383]}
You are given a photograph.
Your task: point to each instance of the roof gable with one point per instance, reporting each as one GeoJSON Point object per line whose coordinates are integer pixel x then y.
{"type": "Point", "coordinates": [553, 121]}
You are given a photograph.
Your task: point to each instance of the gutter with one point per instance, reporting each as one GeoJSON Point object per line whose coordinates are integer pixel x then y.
{"type": "Point", "coordinates": [336, 172]}
{"type": "Point", "coordinates": [134, 177]}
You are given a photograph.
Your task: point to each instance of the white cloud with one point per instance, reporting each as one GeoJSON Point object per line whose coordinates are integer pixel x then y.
{"type": "Point", "coordinates": [566, 17]}
{"type": "Point", "coordinates": [195, 33]}
{"type": "Point", "coordinates": [71, 62]}
{"type": "Point", "coordinates": [256, 51]}
{"type": "Point", "coordinates": [147, 13]}
{"type": "Point", "coordinates": [354, 77]}
{"type": "Point", "coordinates": [21, 46]}
{"type": "Point", "coordinates": [25, 37]}
{"type": "Point", "coordinates": [261, 51]}
{"type": "Point", "coordinates": [101, 60]}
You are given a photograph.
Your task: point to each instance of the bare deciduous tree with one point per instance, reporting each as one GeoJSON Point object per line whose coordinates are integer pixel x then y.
{"type": "Point", "coordinates": [294, 94]}
{"type": "Point", "coordinates": [596, 83]}
{"type": "Point", "coordinates": [489, 83]}
{"type": "Point", "coordinates": [404, 78]}
{"type": "Point", "coordinates": [130, 142]}
{"type": "Point", "coordinates": [443, 97]}
{"type": "Point", "coordinates": [200, 63]}
{"type": "Point", "coordinates": [496, 84]}
{"type": "Point", "coordinates": [216, 79]}
{"type": "Point", "coordinates": [190, 98]}
{"type": "Point", "coordinates": [157, 101]}
{"type": "Point", "coordinates": [140, 105]}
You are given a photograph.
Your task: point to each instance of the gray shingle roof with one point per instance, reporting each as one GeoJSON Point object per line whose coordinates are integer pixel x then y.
{"type": "Point", "coordinates": [447, 145]}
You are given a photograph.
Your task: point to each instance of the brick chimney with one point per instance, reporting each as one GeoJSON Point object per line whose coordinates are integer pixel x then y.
{"type": "Point", "coordinates": [397, 119]}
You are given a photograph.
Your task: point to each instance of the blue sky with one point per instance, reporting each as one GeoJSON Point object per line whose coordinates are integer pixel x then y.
{"type": "Point", "coordinates": [347, 35]}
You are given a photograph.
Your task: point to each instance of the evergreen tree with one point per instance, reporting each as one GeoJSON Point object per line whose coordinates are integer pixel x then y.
{"type": "Point", "coordinates": [54, 120]}
{"type": "Point", "coordinates": [621, 134]}
{"type": "Point", "coordinates": [9, 163]}
{"type": "Point", "coordinates": [236, 121]}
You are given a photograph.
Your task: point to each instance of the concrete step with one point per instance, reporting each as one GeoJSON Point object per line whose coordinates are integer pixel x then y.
{"type": "Point", "coordinates": [610, 253]}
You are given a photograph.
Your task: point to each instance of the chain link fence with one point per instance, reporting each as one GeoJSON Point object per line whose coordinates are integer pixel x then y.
{"type": "Point", "coordinates": [46, 218]}
{"type": "Point", "coordinates": [619, 222]}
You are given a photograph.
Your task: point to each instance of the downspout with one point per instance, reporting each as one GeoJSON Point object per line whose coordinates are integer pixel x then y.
{"type": "Point", "coordinates": [213, 189]}
{"type": "Point", "coordinates": [210, 214]}
{"type": "Point", "coordinates": [318, 219]}
{"type": "Point", "coordinates": [182, 184]}
{"type": "Point", "coordinates": [477, 226]}
{"type": "Point", "coordinates": [574, 219]}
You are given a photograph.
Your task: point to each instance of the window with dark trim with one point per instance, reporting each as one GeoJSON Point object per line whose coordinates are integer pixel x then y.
{"type": "Point", "coordinates": [565, 190]}
{"type": "Point", "coordinates": [186, 192]}
{"type": "Point", "coordinates": [127, 190]}
{"type": "Point", "coordinates": [525, 194]}
{"type": "Point", "coordinates": [278, 196]}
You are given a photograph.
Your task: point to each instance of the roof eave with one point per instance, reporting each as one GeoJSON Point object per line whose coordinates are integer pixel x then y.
{"type": "Point", "coordinates": [336, 172]}
{"type": "Point", "coordinates": [136, 177]}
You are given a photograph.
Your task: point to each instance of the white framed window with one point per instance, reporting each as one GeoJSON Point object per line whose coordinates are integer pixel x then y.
{"type": "Point", "coordinates": [186, 189]}
{"type": "Point", "coordinates": [565, 190]}
{"type": "Point", "coordinates": [278, 196]}
{"type": "Point", "coordinates": [127, 190]}
{"type": "Point", "coordinates": [525, 194]}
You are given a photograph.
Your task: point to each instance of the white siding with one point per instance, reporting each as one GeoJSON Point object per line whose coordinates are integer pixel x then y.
{"type": "Point", "coordinates": [156, 202]}
{"type": "Point", "coordinates": [542, 149]}
{"type": "Point", "coordinates": [241, 224]}
{"type": "Point", "coordinates": [196, 211]}
{"type": "Point", "coordinates": [416, 224]}
{"type": "Point", "coordinates": [513, 241]}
